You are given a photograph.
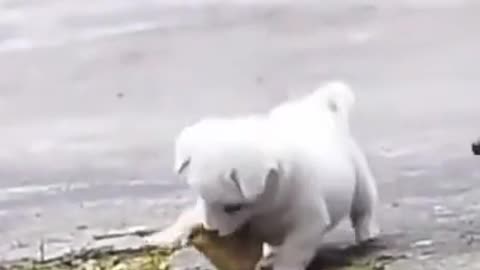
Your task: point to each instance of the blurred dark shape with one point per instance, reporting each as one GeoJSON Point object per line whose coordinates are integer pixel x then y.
{"type": "Point", "coordinates": [120, 95]}
{"type": "Point", "coordinates": [259, 80]}
{"type": "Point", "coordinates": [476, 147]}
{"type": "Point", "coordinates": [81, 227]}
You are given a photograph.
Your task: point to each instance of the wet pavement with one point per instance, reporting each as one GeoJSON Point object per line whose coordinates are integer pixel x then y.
{"type": "Point", "coordinates": [92, 94]}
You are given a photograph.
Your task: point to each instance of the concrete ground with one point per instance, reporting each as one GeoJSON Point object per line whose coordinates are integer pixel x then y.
{"type": "Point", "coordinates": [93, 92]}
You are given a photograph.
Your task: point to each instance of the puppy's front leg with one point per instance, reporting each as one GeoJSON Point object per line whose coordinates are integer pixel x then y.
{"type": "Point", "coordinates": [179, 231]}
{"type": "Point", "coordinates": [266, 262]}
{"type": "Point", "coordinates": [299, 248]}
{"type": "Point", "coordinates": [301, 244]}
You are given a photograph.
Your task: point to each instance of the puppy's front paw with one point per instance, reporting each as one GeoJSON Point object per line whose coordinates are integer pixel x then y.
{"type": "Point", "coordinates": [168, 238]}
{"type": "Point", "coordinates": [265, 263]}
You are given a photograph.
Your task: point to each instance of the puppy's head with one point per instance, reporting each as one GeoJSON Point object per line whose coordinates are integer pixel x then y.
{"type": "Point", "coordinates": [229, 169]}
{"type": "Point", "coordinates": [191, 140]}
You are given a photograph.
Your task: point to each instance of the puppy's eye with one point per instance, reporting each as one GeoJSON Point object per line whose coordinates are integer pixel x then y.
{"type": "Point", "coordinates": [232, 208]}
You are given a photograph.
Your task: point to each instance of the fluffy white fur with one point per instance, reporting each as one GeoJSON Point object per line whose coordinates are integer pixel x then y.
{"type": "Point", "coordinates": [292, 175]}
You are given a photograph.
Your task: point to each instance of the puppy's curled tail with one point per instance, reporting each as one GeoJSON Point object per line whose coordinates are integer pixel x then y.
{"type": "Point", "coordinates": [339, 99]}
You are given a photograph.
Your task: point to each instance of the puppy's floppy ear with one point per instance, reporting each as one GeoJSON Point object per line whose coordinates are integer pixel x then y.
{"type": "Point", "coordinates": [253, 188]}
{"type": "Point", "coordinates": [181, 165]}
{"type": "Point", "coordinates": [182, 151]}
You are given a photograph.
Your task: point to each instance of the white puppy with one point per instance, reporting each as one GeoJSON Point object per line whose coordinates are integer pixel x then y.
{"type": "Point", "coordinates": [292, 175]}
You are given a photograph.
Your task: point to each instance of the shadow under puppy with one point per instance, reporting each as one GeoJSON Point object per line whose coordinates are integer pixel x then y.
{"type": "Point", "coordinates": [292, 175]}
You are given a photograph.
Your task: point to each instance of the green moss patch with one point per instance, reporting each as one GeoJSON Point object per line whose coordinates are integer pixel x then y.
{"type": "Point", "coordinates": [147, 258]}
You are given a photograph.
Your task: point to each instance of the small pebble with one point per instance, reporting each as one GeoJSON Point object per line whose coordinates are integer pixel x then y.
{"type": "Point", "coordinates": [423, 243]}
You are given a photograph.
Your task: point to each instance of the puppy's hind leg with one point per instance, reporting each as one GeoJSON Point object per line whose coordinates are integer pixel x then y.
{"type": "Point", "coordinates": [364, 204]}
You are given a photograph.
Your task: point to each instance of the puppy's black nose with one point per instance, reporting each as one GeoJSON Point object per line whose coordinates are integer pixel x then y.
{"type": "Point", "coordinates": [476, 147]}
